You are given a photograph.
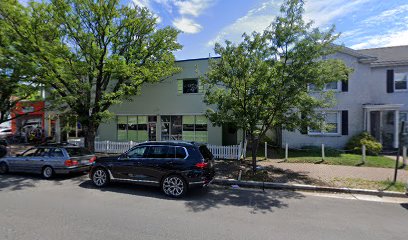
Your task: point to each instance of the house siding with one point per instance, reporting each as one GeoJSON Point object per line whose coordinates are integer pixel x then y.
{"type": "Point", "coordinates": [367, 85]}
{"type": "Point", "coordinates": [163, 99]}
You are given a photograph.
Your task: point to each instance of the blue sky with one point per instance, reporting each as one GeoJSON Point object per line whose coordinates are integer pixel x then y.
{"type": "Point", "coordinates": [363, 23]}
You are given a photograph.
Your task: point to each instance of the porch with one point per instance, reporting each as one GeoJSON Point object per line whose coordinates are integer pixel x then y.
{"type": "Point", "coordinates": [382, 122]}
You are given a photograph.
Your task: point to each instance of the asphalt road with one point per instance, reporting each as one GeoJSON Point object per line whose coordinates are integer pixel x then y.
{"type": "Point", "coordinates": [70, 208]}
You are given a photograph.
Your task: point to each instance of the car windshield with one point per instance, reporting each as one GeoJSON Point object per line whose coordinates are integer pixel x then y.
{"type": "Point", "coordinates": [77, 151]}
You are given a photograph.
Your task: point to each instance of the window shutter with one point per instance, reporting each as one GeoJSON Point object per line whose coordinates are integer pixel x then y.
{"type": "Point", "coordinates": [390, 81]}
{"type": "Point", "coordinates": [344, 122]}
{"type": "Point", "coordinates": [344, 86]}
{"type": "Point", "coordinates": [303, 129]}
{"type": "Point", "coordinates": [200, 86]}
{"type": "Point", "coordinates": [180, 86]}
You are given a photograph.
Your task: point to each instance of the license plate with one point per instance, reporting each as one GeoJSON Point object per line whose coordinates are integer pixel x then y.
{"type": "Point", "coordinates": [85, 161]}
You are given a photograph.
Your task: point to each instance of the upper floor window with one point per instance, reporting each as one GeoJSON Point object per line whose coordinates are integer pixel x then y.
{"type": "Point", "coordinates": [332, 86]}
{"type": "Point", "coordinates": [400, 81]}
{"type": "Point", "coordinates": [186, 86]}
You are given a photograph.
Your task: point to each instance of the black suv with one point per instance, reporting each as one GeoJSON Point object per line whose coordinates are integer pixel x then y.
{"type": "Point", "coordinates": [174, 166]}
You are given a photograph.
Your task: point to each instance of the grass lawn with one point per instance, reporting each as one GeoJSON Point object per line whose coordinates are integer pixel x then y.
{"type": "Point", "coordinates": [367, 184]}
{"type": "Point", "coordinates": [332, 157]}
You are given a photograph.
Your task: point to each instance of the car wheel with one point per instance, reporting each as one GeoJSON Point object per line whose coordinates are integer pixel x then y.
{"type": "Point", "coordinates": [100, 177]}
{"type": "Point", "coordinates": [3, 168]}
{"type": "Point", "coordinates": [174, 186]}
{"type": "Point", "coordinates": [47, 172]}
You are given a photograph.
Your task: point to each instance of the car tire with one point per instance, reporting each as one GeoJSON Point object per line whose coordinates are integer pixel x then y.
{"type": "Point", "coordinates": [3, 168]}
{"type": "Point", "coordinates": [100, 177]}
{"type": "Point", "coordinates": [174, 186]}
{"type": "Point", "coordinates": [47, 172]}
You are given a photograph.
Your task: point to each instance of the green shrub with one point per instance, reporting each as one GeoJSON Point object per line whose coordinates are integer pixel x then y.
{"type": "Point", "coordinates": [373, 147]}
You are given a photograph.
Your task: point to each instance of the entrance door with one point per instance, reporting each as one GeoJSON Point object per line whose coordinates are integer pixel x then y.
{"type": "Point", "coordinates": [152, 131]}
{"type": "Point", "coordinates": [375, 125]}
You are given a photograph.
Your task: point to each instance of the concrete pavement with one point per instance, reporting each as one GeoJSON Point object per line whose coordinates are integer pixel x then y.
{"type": "Point", "coordinates": [71, 208]}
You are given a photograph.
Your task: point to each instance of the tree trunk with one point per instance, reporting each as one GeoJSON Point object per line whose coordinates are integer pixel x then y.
{"type": "Point", "coordinates": [254, 149]}
{"type": "Point", "coordinates": [89, 134]}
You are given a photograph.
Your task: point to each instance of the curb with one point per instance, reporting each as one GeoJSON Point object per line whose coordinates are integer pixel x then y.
{"type": "Point", "coordinates": [304, 187]}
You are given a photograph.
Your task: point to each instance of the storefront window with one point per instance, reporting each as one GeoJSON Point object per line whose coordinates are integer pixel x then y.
{"type": "Point", "coordinates": [195, 128]}
{"type": "Point", "coordinates": [132, 128]}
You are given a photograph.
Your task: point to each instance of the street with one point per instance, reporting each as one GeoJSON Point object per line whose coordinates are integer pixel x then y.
{"type": "Point", "coordinates": [71, 208]}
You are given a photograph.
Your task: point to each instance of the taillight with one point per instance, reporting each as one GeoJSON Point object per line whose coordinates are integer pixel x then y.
{"type": "Point", "coordinates": [201, 165]}
{"type": "Point", "coordinates": [92, 159]}
{"type": "Point", "coordinates": [70, 163]}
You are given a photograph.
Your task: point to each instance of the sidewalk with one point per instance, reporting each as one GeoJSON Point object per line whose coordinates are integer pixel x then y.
{"type": "Point", "coordinates": [325, 172]}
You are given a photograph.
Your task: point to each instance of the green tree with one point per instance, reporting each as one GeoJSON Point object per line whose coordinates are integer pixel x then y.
{"type": "Point", "coordinates": [17, 74]}
{"type": "Point", "coordinates": [93, 54]}
{"type": "Point", "coordinates": [262, 82]}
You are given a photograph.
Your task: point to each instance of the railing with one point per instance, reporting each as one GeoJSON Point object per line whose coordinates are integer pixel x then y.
{"type": "Point", "coordinates": [234, 152]}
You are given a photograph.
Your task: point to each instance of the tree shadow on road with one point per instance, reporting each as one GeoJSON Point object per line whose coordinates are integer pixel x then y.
{"type": "Point", "coordinates": [213, 197]}
{"type": "Point", "coordinates": [20, 181]}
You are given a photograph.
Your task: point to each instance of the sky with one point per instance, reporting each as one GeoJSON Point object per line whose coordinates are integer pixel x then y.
{"type": "Point", "coordinates": [362, 23]}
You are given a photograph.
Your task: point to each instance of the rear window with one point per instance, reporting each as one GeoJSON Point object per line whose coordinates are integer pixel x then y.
{"type": "Point", "coordinates": [74, 152]}
{"type": "Point", "coordinates": [205, 152]}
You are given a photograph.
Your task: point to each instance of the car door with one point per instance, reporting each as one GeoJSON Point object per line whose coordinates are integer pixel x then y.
{"type": "Point", "coordinates": [152, 167]}
{"type": "Point", "coordinates": [175, 160]}
{"type": "Point", "coordinates": [126, 166]}
{"type": "Point", "coordinates": [39, 159]}
{"type": "Point", "coordinates": [21, 163]}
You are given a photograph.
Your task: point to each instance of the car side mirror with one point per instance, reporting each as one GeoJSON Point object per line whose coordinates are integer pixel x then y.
{"type": "Point", "coordinates": [123, 156]}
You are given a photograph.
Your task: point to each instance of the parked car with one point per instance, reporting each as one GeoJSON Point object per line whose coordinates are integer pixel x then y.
{"type": "Point", "coordinates": [49, 160]}
{"type": "Point", "coordinates": [173, 166]}
{"type": "Point", "coordinates": [5, 132]}
{"type": "Point", "coordinates": [3, 148]}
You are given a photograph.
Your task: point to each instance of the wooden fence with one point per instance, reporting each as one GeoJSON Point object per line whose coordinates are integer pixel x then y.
{"type": "Point", "coordinates": [234, 152]}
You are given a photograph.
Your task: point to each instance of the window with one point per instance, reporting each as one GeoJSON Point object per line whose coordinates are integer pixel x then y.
{"type": "Point", "coordinates": [331, 124]}
{"type": "Point", "coordinates": [159, 152]}
{"type": "Point", "coordinates": [186, 86]}
{"type": "Point", "coordinates": [30, 152]}
{"type": "Point", "coordinates": [137, 152]}
{"type": "Point", "coordinates": [176, 152]}
{"type": "Point", "coordinates": [77, 151]}
{"type": "Point", "coordinates": [132, 128]}
{"type": "Point", "coordinates": [171, 127]}
{"type": "Point", "coordinates": [190, 86]}
{"type": "Point", "coordinates": [43, 152]}
{"type": "Point", "coordinates": [57, 153]}
{"type": "Point", "coordinates": [332, 86]}
{"type": "Point", "coordinates": [195, 128]}
{"type": "Point", "coordinates": [400, 81]}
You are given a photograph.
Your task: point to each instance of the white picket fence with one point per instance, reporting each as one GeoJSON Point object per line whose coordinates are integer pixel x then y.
{"type": "Point", "coordinates": [234, 152]}
{"type": "Point", "coordinates": [226, 152]}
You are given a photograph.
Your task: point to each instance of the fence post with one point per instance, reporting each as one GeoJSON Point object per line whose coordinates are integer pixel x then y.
{"type": "Point", "coordinates": [266, 150]}
{"type": "Point", "coordinates": [363, 149]}
{"type": "Point", "coordinates": [107, 146]}
{"type": "Point", "coordinates": [404, 155]}
{"type": "Point", "coordinates": [323, 157]}
{"type": "Point", "coordinates": [286, 151]}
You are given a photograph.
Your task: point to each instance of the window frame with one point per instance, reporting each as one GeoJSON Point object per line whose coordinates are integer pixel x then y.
{"type": "Point", "coordinates": [395, 82]}
{"type": "Point", "coordinates": [338, 89]}
{"type": "Point", "coordinates": [325, 133]}
{"type": "Point", "coordinates": [192, 79]}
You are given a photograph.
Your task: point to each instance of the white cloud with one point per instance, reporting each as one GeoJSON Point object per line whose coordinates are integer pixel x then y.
{"type": "Point", "coordinates": [390, 38]}
{"type": "Point", "coordinates": [192, 7]}
{"type": "Point", "coordinates": [142, 3]}
{"type": "Point", "coordinates": [187, 25]}
{"type": "Point", "coordinates": [322, 12]}
{"type": "Point", "coordinates": [388, 15]}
